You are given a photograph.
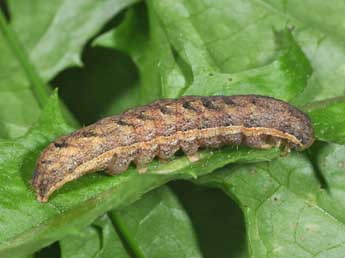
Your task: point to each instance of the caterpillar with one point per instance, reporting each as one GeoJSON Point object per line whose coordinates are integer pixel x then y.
{"type": "Point", "coordinates": [165, 126]}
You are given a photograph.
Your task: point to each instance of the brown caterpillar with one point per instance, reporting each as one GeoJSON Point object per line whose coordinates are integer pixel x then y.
{"type": "Point", "coordinates": [163, 127]}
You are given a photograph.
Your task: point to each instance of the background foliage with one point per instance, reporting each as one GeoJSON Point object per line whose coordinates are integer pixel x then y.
{"type": "Point", "coordinates": [67, 63]}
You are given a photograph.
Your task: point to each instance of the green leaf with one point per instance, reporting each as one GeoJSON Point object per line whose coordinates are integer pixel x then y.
{"type": "Point", "coordinates": [284, 78]}
{"type": "Point", "coordinates": [287, 212]}
{"type": "Point", "coordinates": [34, 49]}
{"type": "Point", "coordinates": [329, 163]}
{"type": "Point", "coordinates": [98, 240]}
{"type": "Point", "coordinates": [200, 223]}
{"type": "Point", "coordinates": [107, 84]}
{"type": "Point", "coordinates": [15, 174]}
{"type": "Point", "coordinates": [217, 220]}
{"type": "Point", "coordinates": [207, 225]}
{"type": "Point", "coordinates": [328, 119]}
{"type": "Point", "coordinates": [142, 37]}
{"type": "Point", "coordinates": [237, 36]}
{"type": "Point", "coordinates": [184, 65]}
{"type": "Point", "coordinates": [157, 226]}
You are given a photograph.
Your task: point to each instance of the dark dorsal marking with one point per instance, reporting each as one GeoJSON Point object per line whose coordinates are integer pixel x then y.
{"type": "Point", "coordinates": [207, 103]}
{"type": "Point", "coordinates": [251, 122]}
{"type": "Point", "coordinates": [295, 112]}
{"type": "Point", "coordinates": [47, 161]}
{"type": "Point", "coordinates": [227, 120]}
{"type": "Point", "coordinates": [228, 101]}
{"type": "Point", "coordinates": [60, 144]}
{"type": "Point", "coordinates": [188, 105]}
{"type": "Point", "coordinates": [143, 116]}
{"type": "Point", "coordinates": [285, 127]}
{"type": "Point", "coordinates": [123, 123]}
{"type": "Point", "coordinates": [166, 110]}
{"type": "Point", "coordinates": [88, 133]}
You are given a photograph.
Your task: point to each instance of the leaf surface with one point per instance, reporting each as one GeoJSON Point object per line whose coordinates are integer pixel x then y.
{"type": "Point", "coordinates": [328, 119]}
{"type": "Point", "coordinates": [99, 240]}
{"type": "Point", "coordinates": [217, 220]}
{"type": "Point", "coordinates": [184, 66]}
{"type": "Point", "coordinates": [288, 212]}
{"type": "Point", "coordinates": [158, 226]}
{"type": "Point", "coordinates": [239, 35]}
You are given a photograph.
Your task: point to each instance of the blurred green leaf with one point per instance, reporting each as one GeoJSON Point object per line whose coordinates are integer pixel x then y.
{"type": "Point", "coordinates": [42, 38]}
{"type": "Point", "coordinates": [288, 213]}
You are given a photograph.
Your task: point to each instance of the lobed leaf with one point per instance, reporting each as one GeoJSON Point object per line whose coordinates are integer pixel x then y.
{"type": "Point", "coordinates": [236, 36]}
{"type": "Point", "coordinates": [184, 67]}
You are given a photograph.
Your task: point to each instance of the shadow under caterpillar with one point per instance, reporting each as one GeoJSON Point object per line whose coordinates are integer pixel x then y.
{"type": "Point", "coordinates": [165, 126]}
